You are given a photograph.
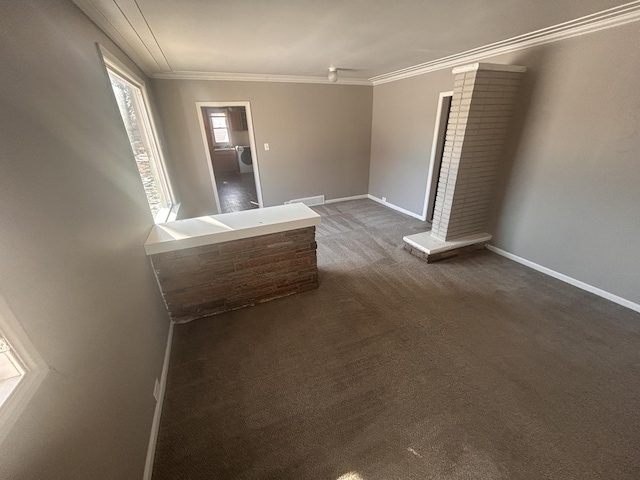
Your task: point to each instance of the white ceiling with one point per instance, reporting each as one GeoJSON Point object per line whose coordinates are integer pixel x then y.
{"type": "Point", "coordinates": [303, 38]}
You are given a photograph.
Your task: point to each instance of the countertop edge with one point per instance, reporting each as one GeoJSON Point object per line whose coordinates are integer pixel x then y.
{"type": "Point", "coordinates": [306, 218]}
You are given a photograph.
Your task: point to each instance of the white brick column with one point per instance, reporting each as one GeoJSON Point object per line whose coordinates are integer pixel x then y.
{"type": "Point", "coordinates": [483, 100]}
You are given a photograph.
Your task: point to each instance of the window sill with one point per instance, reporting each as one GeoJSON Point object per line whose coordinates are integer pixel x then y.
{"type": "Point", "coordinates": [167, 214]}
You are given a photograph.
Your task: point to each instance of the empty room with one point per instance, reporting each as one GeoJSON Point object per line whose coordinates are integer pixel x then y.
{"type": "Point", "coordinates": [338, 240]}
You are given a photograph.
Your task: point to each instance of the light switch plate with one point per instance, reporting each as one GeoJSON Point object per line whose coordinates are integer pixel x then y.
{"type": "Point", "coordinates": [266, 146]}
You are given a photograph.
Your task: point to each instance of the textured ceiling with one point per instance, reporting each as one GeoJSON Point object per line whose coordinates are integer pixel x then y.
{"type": "Point", "coordinates": [364, 38]}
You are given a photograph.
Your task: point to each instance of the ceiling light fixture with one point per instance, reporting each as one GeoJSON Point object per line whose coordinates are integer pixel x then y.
{"type": "Point", "coordinates": [333, 74]}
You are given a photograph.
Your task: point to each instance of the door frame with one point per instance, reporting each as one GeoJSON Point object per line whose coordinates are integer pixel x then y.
{"type": "Point", "coordinates": [252, 144]}
{"type": "Point", "coordinates": [437, 149]}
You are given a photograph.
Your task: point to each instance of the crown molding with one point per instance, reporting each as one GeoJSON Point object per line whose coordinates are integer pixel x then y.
{"type": "Point", "coordinates": [123, 22]}
{"type": "Point", "coordinates": [142, 34]}
{"type": "Point", "coordinates": [609, 18]}
{"type": "Point", "coordinates": [492, 67]}
{"type": "Point", "coordinates": [147, 54]}
{"type": "Point", "coordinates": [134, 39]}
{"type": "Point", "coordinates": [256, 77]}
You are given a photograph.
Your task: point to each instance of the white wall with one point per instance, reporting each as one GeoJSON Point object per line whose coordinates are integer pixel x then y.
{"type": "Point", "coordinates": [72, 265]}
{"type": "Point", "coordinates": [569, 198]}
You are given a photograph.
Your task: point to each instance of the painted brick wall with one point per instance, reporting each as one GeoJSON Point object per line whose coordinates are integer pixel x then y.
{"type": "Point", "coordinates": [202, 281]}
{"type": "Point", "coordinates": [481, 109]}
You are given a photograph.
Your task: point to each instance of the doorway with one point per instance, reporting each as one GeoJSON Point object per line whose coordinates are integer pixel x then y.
{"type": "Point", "coordinates": [227, 132]}
{"type": "Point", "coordinates": [437, 150]}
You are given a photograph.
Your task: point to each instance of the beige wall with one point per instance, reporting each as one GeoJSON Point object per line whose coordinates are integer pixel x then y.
{"type": "Point", "coordinates": [401, 136]}
{"type": "Point", "coordinates": [72, 265]}
{"type": "Point", "coordinates": [74, 214]}
{"type": "Point", "coordinates": [570, 197]}
{"type": "Point", "coordinates": [319, 137]}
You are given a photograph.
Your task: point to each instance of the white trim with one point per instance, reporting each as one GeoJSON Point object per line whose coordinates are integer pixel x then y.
{"type": "Point", "coordinates": [565, 278]}
{"type": "Point", "coordinates": [395, 207]}
{"type": "Point", "coordinates": [114, 62]}
{"type": "Point", "coordinates": [612, 17]}
{"type": "Point", "coordinates": [155, 425]}
{"type": "Point", "coordinates": [493, 67]}
{"type": "Point", "coordinates": [439, 131]}
{"type": "Point", "coordinates": [99, 17]}
{"type": "Point", "coordinates": [308, 201]}
{"type": "Point", "coordinates": [252, 144]}
{"type": "Point", "coordinates": [167, 214]}
{"type": "Point", "coordinates": [114, 66]}
{"type": "Point", "coordinates": [257, 77]}
{"type": "Point", "coordinates": [36, 369]}
{"type": "Point", "coordinates": [207, 152]}
{"type": "Point", "coordinates": [346, 199]}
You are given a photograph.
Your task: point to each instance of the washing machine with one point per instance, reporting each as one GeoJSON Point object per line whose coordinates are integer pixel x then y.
{"type": "Point", "coordinates": [244, 159]}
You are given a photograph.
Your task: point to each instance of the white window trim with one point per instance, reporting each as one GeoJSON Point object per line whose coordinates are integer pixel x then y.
{"type": "Point", "coordinates": [213, 129]}
{"type": "Point", "coordinates": [35, 369]}
{"type": "Point", "coordinates": [113, 63]}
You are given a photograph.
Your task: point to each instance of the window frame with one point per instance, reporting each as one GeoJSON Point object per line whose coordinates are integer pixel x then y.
{"type": "Point", "coordinates": [214, 128]}
{"type": "Point", "coordinates": [170, 207]}
{"type": "Point", "coordinates": [33, 366]}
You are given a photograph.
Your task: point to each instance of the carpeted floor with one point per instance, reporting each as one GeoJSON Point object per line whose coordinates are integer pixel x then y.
{"type": "Point", "coordinates": [473, 368]}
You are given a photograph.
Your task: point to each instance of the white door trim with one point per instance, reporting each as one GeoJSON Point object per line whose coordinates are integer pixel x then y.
{"type": "Point", "coordinates": [252, 144]}
{"type": "Point", "coordinates": [437, 147]}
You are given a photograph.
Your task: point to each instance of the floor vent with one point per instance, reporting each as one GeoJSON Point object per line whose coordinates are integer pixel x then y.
{"type": "Point", "coordinates": [309, 201]}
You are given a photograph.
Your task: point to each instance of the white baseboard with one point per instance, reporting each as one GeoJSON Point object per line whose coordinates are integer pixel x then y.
{"type": "Point", "coordinates": [396, 208]}
{"type": "Point", "coordinates": [346, 199]}
{"type": "Point", "coordinates": [565, 278]}
{"type": "Point", "coordinates": [155, 426]}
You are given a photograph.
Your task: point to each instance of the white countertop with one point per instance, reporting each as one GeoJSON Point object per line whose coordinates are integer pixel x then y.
{"type": "Point", "coordinates": [196, 232]}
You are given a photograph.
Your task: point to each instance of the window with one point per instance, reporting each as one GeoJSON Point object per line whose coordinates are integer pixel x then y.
{"type": "Point", "coordinates": [219, 127]}
{"type": "Point", "coordinates": [21, 369]}
{"type": "Point", "coordinates": [131, 98]}
{"type": "Point", "coordinates": [11, 369]}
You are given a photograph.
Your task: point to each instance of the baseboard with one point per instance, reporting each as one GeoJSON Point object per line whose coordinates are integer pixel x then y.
{"type": "Point", "coordinates": [565, 278]}
{"type": "Point", "coordinates": [155, 426]}
{"type": "Point", "coordinates": [346, 199]}
{"type": "Point", "coordinates": [396, 208]}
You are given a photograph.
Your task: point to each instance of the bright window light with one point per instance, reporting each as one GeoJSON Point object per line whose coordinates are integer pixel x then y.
{"type": "Point", "coordinates": [219, 127]}
{"type": "Point", "coordinates": [131, 97]}
{"type": "Point", "coordinates": [350, 476]}
{"type": "Point", "coordinates": [21, 369]}
{"type": "Point", "coordinates": [11, 369]}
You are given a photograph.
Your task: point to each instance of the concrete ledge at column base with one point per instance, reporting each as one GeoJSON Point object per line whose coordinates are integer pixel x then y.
{"type": "Point", "coordinates": [427, 247]}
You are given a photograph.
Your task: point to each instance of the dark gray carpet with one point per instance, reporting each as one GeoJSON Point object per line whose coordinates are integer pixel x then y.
{"type": "Point", "coordinates": [476, 367]}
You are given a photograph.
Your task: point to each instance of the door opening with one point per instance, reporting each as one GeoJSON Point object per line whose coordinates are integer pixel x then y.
{"type": "Point", "coordinates": [439, 138]}
{"type": "Point", "coordinates": [227, 133]}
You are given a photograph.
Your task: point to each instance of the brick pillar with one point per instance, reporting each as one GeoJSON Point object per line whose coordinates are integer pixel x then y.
{"type": "Point", "coordinates": [483, 99]}
{"type": "Point", "coordinates": [210, 279]}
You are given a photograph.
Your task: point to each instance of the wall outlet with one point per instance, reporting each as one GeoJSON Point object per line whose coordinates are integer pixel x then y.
{"type": "Point", "coordinates": [384, 199]}
{"type": "Point", "coordinates": [156, 391]}
{"type": "Point", "coordinates": [266, 146]}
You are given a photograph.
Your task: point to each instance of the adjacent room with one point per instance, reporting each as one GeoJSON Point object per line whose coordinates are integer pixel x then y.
{"type": "Point", "coordinates": [333, 240]}
{"type": "Point", "coordinates": [227, 138]}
